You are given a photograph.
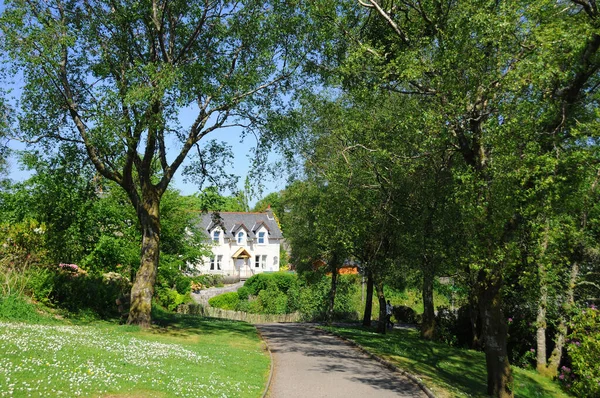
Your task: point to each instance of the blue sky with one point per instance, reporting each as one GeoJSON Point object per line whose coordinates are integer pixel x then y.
{"type": "Point", "coordinates": [232, 136]}
{"type": "Point", "coordinates": [241, 164]}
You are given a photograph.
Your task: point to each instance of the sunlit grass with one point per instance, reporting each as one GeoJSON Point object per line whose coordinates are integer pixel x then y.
{"type": "Point", "coordinates": [447, 371]}
{"type": "Point", "coordinates": [191, 358]}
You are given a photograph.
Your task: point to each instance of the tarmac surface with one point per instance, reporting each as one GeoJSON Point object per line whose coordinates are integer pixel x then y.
{"type": "Point", "coordinates": [310, 363]}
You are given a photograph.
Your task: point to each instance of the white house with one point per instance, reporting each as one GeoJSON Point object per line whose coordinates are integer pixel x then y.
{"type": "Point", "coordinates": [243, 244]}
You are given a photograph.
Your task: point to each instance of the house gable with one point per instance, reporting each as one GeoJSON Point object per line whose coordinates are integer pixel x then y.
{"type": "Point", "coordinates": [249, 243]}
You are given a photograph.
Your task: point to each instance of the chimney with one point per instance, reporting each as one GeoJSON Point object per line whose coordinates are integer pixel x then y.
{"type": "Point", "coordinates": [269, 212]}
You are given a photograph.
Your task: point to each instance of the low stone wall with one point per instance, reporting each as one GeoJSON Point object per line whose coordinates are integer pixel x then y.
{"type": "Point", "coordinates": [197, 309]}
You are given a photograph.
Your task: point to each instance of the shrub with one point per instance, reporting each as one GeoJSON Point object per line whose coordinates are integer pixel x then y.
{"type": "Point", "coordinates": [112, 254]}
{"type": "Point", "coordinates": [170, 276]}
{"type": "Point", "coordinates": [207, 280]}
{"type": "Point", "coordinates": [170, 298]}
{"type": "Point", "coordinates": [293, 298]}
{"type": "Point", "coordinates": [283, 280]}
{"type": "Point", "coordinates": [252, 305]}
{"type": "Point", "coordinates": [40, 284]}
{"type": "Point", "coordinates": [272, 301]}
{"type": "Point", "coordinates": [16, 308]}
{"type": "Point", "coordinates": [404, 314]}
{"type": "Point", "coordinates": [257, 282]}
{"type": "Point", "coordinates": [311, 303]}
{"type": "Point", "coordinates": [21, 251]}
{"type": "Point", "coordinates": [279, 293]}
{"type": "Point", "coordinates": [76, 291]}
{"type": "Point", "coordinates": [583, 378]}
{"type": "Point", "coordinates": [226, 301]}
{"type": "Point", "coordinates": [313, 296]}
{"type": "Point", "coordinates": [445, 326]}
{"type": "Point", "coordinates": [243, 293]}
{"type": "Point", "coordinates": [347, 287]}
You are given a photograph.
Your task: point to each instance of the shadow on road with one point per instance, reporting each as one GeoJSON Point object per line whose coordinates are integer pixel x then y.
{"type": "Point", "coordinates": [328, 365]}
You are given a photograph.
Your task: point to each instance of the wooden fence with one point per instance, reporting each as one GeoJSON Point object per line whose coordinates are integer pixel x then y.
{"type": "Point", "coordinates": [197, 309]}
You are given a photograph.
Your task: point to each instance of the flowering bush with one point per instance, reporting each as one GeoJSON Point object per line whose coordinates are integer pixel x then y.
{"type": "Point", "coordinates": [583, 347]}
{"type": "Point", "coordinates": [68, 267]}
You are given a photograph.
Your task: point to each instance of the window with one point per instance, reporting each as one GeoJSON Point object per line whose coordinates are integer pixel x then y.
{"type": "Point", "coordinates": [263, 261]}
{"type": "Point", "coordinates": [216, 236]}
{"type": "Point", "coordinates": [240, 237]}
{"type": "Point", "coordinates": [216, 261]}
{"type": "Point", "coordinates": [275, 261]}
{"type": "Point", "coordinates": [261, 238]}
{"type": "Point", "coordinates": [256, 261]}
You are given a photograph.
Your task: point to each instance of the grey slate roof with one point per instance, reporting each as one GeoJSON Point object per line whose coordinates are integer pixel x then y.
{"type": "Point", "coordinates": [233, 221]}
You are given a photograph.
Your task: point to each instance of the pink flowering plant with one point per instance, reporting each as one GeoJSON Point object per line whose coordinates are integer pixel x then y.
{"type": "Point", "coordinates": [69, 267]}
{"type": "Point", "coordinates": [582, 378]}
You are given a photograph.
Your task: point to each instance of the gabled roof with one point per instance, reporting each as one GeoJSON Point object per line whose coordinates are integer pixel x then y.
{"type": "Point", "coordinates": [231, 222]}
{"type": "Point", "coordinates": [237, 227]}
{"type": "Point", "coordinates": [241, 253]}
{"type": "Point", "coordinates": [259, 224]}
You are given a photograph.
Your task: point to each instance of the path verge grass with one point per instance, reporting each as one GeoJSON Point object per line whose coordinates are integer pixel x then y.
{"type": "Point", "coordinates": [185, 357]}
{"type": "Point", "coordinates": [447, 371]}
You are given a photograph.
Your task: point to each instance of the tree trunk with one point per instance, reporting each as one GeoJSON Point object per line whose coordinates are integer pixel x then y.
{"type": "Point", "coordinates": [145, 278]}
{"type": "Point", "coordinates": [369, 301]}
{"type": "Point", "coordinates": [542, 305]}
{"type": "Point", "coordinates": [381, 323]}
{"type": "Point", "coordinates": [541, 332]}
{"type": "Point", "coordinates": [334, 275]}
{"type": "Point", "coordinates": [474, 317]}
{"type": "Point", "coordinates": [495, 331]}
{"type": "Point", "coordinates": [559, 340]}
{"type": "Point", "coordinates": [428, 324]}
{"type": "Point", "coordinates": [556, 355]}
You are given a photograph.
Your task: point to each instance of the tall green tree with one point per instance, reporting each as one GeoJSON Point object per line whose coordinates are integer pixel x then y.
{"type": "Point", "coordinates": [322, 233]}
{"type": "Point", "coordinates": [113, 78]}
{"type": "Point", "coordinates": [492, 87]}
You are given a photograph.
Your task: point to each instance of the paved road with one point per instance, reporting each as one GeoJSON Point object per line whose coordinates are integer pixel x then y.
{"type": "Point", "coordinates": [312, 363]}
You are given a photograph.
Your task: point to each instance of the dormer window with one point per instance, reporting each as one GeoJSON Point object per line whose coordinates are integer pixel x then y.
{"type": "Point", "coordinates": [216, 236]}
{"type": "Point", "coordinates": [240, 237]}
{"type": "Point", "coordinates": [261, 237]}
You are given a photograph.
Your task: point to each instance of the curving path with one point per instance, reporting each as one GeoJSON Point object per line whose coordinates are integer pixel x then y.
{"type": "Point", "coordinates": [204, 295]}
{"type": "Point", "coordinates": [312, 363]}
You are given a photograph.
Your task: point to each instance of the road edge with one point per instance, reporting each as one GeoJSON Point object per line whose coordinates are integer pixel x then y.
{"type": "Point", "coordinates": [382, 361]}
{"type": "Point", "coordinates": [272, 365]}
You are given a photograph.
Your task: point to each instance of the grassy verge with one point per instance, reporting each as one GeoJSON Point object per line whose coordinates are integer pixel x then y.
{"type": "Point", "coordinates": [447, 371]}
{"type": "Point", "coordinates": [184, 357]}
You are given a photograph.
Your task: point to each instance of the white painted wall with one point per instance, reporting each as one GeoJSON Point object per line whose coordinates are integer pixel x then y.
{"type": "Point", "coordinates": [227, 248]}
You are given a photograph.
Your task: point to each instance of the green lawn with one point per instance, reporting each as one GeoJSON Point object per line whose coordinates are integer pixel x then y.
{"type": "Point", "coordinates": [185, 357]}
{"type": "Point", "coordinates": [447, 371]}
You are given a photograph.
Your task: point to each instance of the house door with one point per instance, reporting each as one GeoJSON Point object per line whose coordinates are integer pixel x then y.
{"type": "Point", "coordinates": [242, 267]}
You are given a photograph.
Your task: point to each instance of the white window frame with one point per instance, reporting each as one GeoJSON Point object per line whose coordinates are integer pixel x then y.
{"type": "Point", "coordinates": [219, 262]}
{"type": "Point", "coordinates": [240, 237]}
{"type": "Point", "coordinates": [216, 236]}
{"type": "Point", "coordinates": [263, 237]}
{"type": "Point", "coordinates": [212, 263]}
{"type": "Point", "coordinates": [263, 261]}
{"type": "Point", "coordinates": [257, 261]}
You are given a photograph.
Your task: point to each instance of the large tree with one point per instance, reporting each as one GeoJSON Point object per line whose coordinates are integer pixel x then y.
{"type": "Point", "coordinates": [115, 77]}
{"type": "Point", "coordinates": [492, 85]}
